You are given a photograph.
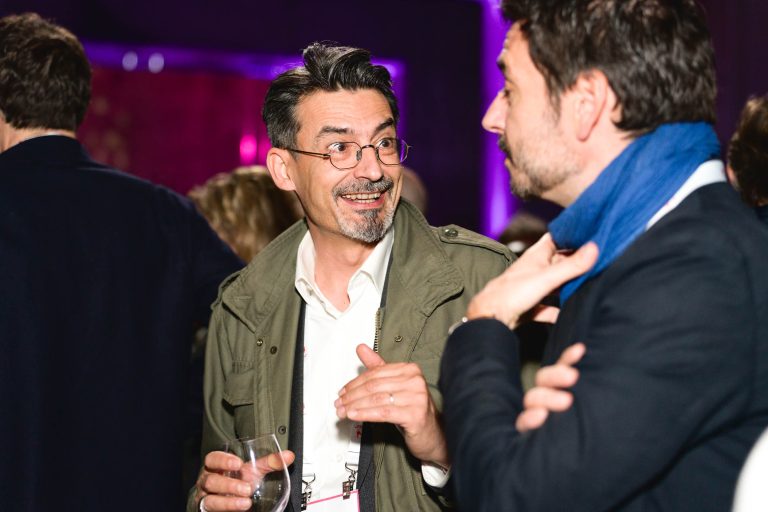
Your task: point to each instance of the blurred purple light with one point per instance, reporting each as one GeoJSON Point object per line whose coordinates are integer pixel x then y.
{"type": "Point", "coordinates": [498, 203]}
{"type": "Point", "coordinates": [248, 149]}
{"type": "Point", "coordinates": [250, 65]}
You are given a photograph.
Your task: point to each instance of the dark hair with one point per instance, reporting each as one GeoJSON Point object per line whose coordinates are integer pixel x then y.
{"type": "Point", "coordinates": [45, 78]}
{"type": "Point", "coordinates": [326, 68]}
{"type": "Point", "coordinates": [748, 151]}
{"type": "Point", "coordinates": [656, 54]}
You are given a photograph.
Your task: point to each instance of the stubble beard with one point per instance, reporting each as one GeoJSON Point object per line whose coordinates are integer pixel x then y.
{"type": "Point", "coordinates": [368, 226]}
{"type": "Point", "coordinates": [535, 171]}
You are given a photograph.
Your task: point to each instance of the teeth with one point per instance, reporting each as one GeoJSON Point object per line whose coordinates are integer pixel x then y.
{"type": "Point", "coordinates": [362, 197]}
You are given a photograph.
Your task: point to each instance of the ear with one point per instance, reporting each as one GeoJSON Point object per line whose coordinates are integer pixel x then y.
{"type": "Point", "coordinates": [277, 163]}
{"type": "Point", "coordinates": [594, 102]}
{"type": "Point", "coordinates": [732, 177]}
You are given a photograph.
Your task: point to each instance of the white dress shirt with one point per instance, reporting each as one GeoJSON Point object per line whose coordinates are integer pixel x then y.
{"type": "Point", "coordinates": [330, 361]}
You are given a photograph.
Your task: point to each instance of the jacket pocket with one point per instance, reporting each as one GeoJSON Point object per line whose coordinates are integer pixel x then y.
{"type": "Point", "coordinates": [239, 395]}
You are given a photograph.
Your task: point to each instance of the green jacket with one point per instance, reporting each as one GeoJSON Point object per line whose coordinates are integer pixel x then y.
{"type": "Point", "coordinates": [252, 338]}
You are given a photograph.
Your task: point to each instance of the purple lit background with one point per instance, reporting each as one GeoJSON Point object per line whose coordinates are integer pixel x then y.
{"type": "Point", "coordinates": [447, 47]}
{"type": "Point", "coordinates": [125, 77]}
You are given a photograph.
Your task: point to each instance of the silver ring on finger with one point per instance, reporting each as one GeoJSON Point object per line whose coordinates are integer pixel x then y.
{"type": "Point", "coordinates": [391, 399]}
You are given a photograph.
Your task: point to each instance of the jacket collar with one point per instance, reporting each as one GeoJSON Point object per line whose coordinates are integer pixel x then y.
{"type": "Point", "coordinates": [56, 149]}
{"type": "Point", "coordinates": [419, 263]}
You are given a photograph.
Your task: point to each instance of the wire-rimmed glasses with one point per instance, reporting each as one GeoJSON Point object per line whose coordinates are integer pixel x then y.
{"type": "Point", "coordinates": [346, 155]}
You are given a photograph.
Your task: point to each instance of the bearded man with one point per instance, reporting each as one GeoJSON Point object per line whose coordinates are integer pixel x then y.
{"type": "Point", "coordinates": [357, 297]}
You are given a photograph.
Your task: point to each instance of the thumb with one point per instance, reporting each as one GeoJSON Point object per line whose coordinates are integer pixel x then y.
{"type": "Point", "coordinates": [369, 358]}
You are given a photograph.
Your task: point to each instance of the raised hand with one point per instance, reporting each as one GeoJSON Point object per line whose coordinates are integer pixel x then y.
{"type": "Point", "coordinates": [536, 274]}
{"type": "Point", "coordinates": [395, 393]}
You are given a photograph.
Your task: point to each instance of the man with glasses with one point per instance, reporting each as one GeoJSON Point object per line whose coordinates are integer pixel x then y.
{"type": "Point", "coordinates": [331, 338]}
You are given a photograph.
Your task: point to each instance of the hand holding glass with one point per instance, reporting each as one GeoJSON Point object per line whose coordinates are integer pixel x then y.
{"type": "Point", "coordinates": [265, 470]}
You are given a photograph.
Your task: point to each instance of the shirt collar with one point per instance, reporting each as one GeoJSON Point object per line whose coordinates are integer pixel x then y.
{"type": "Point", "coordinates": [711, 171]}
{"type": "Point", "coordinates": [373, 268]}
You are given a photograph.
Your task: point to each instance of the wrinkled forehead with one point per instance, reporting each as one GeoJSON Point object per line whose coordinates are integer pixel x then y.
{"type": "Point", "coordinates": [358, 113]}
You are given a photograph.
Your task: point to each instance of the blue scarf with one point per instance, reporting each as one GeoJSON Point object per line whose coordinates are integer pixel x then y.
{"type": "Point", "coordinates": [614, 210]}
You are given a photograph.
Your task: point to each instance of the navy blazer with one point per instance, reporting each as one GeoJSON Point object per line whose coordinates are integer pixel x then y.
{"type": "Point", "coordinates": [102, 279]}
{"type": "Point", "coordinates": [673, 389]}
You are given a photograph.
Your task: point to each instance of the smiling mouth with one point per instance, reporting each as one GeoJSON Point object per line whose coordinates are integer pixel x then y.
{"type": "Point", "coordinates": [362, 198]}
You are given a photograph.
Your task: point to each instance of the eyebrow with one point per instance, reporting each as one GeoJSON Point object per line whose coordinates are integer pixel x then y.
{"type": "Point", "coordinates": [325, 130]}
{"type": "Point", "coordinates": [504, 70]}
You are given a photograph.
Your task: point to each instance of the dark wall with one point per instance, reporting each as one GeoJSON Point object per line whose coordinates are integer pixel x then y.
{"type": "Point", "coordinates": [438, 40]}
{"type": "Point", "coordinates": [740, 33]}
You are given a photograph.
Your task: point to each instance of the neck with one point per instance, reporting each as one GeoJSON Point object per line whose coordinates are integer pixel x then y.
{"type": "Point", "coordinates": [10, 136]}
{"type": "Point", "coordinates": [337, 258]}
{"type": "Point", "coordinates": [595, 155]}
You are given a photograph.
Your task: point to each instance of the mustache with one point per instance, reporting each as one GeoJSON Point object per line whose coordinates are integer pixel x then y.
{"type": "Point", "coordinates": [364, 187]}
{"type": "Point", "coordinates": [503, 146]}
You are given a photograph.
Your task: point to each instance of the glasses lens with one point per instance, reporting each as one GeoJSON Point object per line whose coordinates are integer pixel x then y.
{"type": "Point", "coordinates": [391, 151]}
{"type": "Point", "coordinates": [343, 154]}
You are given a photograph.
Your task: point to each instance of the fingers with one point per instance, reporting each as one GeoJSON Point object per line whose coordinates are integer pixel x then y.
{"type": "Point", "coordinates": [222, 461]}
{"type": "Point", "coordinates": [215, 503]}
{"type": "Point", "coordinates": [531, 419]}
{"type": "Point", "coordinates": [557, 376]}
{"type": "Point", "coordinates": [572, 266]}
{"type": "Point", "coordinates": [216, 483]}
{"type": "Point", "coordinates": [224, 492]}
{"type": "Point", "coordinates": [536, 274]}
{"type": "Point", "coordinates": [219, 483]}
{"type": "Point", "coordinates": [288, 457]}
{"type": "Point", "coordinates": [382, 398]}
{"type": "Point", "coordinates": [550, 393]}
{"type": "Point", "coordinates": [547, 398]}
{"type": "Point", "coordinates": [545, 314]}
{"type": "Point", "coordinates": [274, 462]}
{"type": "Point", "coordinates": [378, 370]}
{"type": "Point", "coordinates": [369, 358]}
{"type": "Point", "coordinates": [544, 248]}
{"type": "Point", "coordinates": [572, 354]}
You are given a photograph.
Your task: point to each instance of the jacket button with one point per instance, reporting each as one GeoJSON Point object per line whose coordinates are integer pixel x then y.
{"type": "Point", "coordinates": [273, 350]}
{"type": "Point", "coordinates": [450, 232]}
{"type": "Point", "coordinates": [282, 430]}
{"type": "Point", "coordinates": [259, 342]}
{"type": "Point", "coordinates": [398, 338]}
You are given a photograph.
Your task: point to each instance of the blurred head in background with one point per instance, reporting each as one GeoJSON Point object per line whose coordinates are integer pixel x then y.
{"type": "Point", "coordinates": [246, 209]}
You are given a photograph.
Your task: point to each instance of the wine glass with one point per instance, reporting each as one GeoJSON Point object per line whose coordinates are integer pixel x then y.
{"type": "Point", "coordinates": [272, 487]}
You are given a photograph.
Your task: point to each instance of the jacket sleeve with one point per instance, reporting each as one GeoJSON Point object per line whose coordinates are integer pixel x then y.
{"type": "Point", "coordinates": [218, 420]}
{"type": "Point", "coordinates": [669, 353]}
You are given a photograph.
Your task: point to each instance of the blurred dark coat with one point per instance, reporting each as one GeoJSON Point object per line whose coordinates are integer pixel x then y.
{"type": "Point", "coordinates": [103, 278]}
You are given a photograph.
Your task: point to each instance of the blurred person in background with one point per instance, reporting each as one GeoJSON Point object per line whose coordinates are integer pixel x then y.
{"type": "Point", "coordinates": [246, 209]}
{"type": "Point", "coordinates": [414, 190]}
{"type": "Point", "coordinates": [748, 156]}
{"type": "Point", "coordinates": [104, 277]}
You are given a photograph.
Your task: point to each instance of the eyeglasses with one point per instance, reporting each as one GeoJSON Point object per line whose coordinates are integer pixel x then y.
{"type": "Point", "coordinates": [346, 155]}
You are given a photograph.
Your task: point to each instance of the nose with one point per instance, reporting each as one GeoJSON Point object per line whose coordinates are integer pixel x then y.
{"type": "Point", "coordinates": [493, 120]}
{"type": "Point", "coordinates": [368, 167]}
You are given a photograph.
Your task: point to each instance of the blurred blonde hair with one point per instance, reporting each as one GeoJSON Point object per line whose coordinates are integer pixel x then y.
{"type": "Point", "coordinates": [246, 209]}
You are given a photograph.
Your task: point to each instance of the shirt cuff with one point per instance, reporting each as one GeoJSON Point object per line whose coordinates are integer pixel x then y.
{"type": "Point", "coordinates": [434, 475]}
